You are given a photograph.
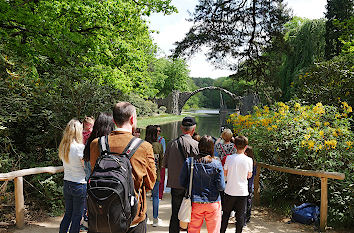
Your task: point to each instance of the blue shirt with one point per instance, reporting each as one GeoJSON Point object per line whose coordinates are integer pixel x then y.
{"type": "Point", "coordinates": [208, 180]}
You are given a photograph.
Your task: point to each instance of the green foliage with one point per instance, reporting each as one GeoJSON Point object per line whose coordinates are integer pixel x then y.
{"type": "Point", "coordinates": [338, 11]}
{"type": "Point", "coordinates": [305, 39]}
{"type": "Point", "coordinates": [327, 81]}
{"type": "Point", "coordinates": [67, 59]}
{"type": "Point", "coordinates": [310, 137]}
{"type": "Point", "coordinates": [169, 75]}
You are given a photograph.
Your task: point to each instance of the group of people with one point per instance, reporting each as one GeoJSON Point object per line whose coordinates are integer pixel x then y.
{"type": "Point", "coordinates": [217, 189]}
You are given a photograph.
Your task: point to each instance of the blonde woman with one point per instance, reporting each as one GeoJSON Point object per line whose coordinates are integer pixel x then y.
{"type": "Point", "coordinates": [227, 147]}
{"type": "Point", "coordinates": [71, 153]}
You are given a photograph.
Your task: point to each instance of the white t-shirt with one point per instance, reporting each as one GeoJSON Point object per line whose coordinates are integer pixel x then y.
{"type": "Point", "coordinates": [74, 170]}
{"type": "Point", "coordinates": [238, 166]}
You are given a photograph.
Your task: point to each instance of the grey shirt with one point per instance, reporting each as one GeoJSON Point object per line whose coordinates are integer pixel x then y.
{"type": "Point", "coordinates": [173, 159]}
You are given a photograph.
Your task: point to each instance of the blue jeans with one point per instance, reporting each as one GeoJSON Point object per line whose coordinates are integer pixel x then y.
{"type": "Point", "coordinates": [155, 200]}
{"type": "Point", "coordinates": [75, 195]}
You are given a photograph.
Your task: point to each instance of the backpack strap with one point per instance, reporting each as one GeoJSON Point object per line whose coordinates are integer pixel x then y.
{"type": "Point", "coordinates": [132, 146]}
{"type": "Point", "coordinates": [103, 145]}
{"type": "Point", "coordinates": [181, 149]}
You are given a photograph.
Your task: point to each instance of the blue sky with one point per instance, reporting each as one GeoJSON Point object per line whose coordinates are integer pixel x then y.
{"type": "Point", "coordinates": [173, 28]}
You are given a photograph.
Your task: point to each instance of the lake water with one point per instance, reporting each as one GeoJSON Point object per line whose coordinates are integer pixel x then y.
{"type": "Point", "coordinates": [208, 121]}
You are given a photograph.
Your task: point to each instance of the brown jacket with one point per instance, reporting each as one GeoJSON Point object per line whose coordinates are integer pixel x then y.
{"type": "Point", "coordinates": [144, 171]}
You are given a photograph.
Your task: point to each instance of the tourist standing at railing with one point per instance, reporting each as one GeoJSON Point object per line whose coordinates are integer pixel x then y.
{"type": "Point", "coordinates": [238, 168]}
{"type": "Point", "coordinates": [143, 165]}
{"type": "Point", "coordinates": [176, 153]}
{"type": "Point", "coordinates": [71, 153]}
{"type": "Point", "coordinates": [151, 137]}
{"type": "Point", "coordinates": [208, 181]}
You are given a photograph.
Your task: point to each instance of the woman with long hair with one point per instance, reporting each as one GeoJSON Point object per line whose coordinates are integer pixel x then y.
{"type": "Point", "coordinates": [208, 181]}
{"type": "Point", "coordinates": [151, 137]}
{"type": "Point", "coordinates": [103, 126]}
{"type": "Point", "coordinates": [71, 153]}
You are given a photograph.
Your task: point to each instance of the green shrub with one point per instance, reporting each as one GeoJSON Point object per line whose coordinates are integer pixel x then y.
{"type": "Point", "coordinates": [305, 137]}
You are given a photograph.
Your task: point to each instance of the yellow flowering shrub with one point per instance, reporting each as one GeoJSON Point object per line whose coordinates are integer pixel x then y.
{"type": "Point", "coordinates": [316, 137]}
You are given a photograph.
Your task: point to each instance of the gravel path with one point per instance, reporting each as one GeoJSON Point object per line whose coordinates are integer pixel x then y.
{"type": "Point", "coordinates": [261, 221]}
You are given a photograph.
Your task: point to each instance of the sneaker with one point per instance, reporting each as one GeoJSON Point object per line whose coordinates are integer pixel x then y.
{"type": "Point", "coordinates": [155, 222]}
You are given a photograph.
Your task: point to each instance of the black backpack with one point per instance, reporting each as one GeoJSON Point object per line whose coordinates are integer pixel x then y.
{"type": "Point", "coordinates": [111, 200]}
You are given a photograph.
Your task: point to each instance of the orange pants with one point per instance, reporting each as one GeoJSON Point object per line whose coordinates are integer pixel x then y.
{"type": "Point", "coordinates": [212, 214]}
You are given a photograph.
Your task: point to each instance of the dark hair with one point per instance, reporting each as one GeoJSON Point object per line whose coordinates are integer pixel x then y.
{"type": "Point", "coordinates": [122, 112]}
{"type": "Point", "coordinates": [241, 142]}
{"type": "Point", "coordinates": [104, 125]}
{"type": "Point", "coordinates": [249, 152]}
{"type": "Point", "coordinates": [206, 149]}
{"type": "Point", "coordinates": [137, 130]}
{"type": "Point", "coordinates": [151, 133]}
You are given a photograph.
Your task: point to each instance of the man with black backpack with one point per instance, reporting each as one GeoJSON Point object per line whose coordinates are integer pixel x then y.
{"type": "Point", "coordinates": [113, 206]}
{"type": "Point", "coordinates": [176, 153]}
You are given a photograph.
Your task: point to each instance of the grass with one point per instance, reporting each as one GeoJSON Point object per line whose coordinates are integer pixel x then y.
{"type": "Point", "coordinates": [160, 119]}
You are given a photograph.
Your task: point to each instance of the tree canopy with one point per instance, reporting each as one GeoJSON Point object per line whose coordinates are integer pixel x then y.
{"type": "Point", "coordinates": [234, 30]}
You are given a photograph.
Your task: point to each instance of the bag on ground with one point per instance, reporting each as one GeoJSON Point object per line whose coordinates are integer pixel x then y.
{"type": "Point", "coordinates": [306, 213]}
{"type": "Point", "coordinates": [112, 204]}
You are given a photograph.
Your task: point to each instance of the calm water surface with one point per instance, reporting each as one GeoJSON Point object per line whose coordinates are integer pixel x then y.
{"type": "Point", "coordinates": [208, 122]}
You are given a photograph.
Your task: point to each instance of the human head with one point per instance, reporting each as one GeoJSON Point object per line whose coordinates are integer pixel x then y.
{"type": "Point", "coordinates": [206, 145]}
{"type": "Point", "coordinates": [249, 152]}
{"type": "Point", "coordinates": [124, 115]}
{"type": "Point", "coordinates": [88, 123]}
{"type": "Point", "coordinates": [151, 133]}
{"type": "Point", "coordinates": [196, 136]}
{"type": "Point", "coordinates": [137, 132]}
{"type": "Point", "coordinates": [188, 125]}
{"type": "Point", "coordinates": [72, 132]}
{"type": "Point", "coordinates": [226, 135]}
{"type": "Point", "coordinates": [158, 127]}
{"type": "Point", "coordinates": [241, 142]}
{"type": "Point", "coordinates": [103, 125]}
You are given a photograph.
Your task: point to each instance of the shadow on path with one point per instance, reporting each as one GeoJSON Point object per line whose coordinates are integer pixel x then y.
{"type": "Point", "coordinates": [260, 222]}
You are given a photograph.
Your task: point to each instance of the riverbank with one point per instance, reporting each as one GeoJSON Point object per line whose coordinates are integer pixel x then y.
{"type": "Point", "coordinates": [161, 119]}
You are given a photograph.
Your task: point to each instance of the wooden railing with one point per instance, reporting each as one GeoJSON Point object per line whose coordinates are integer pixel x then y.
{"type": "Point", "coordinates": [17, 176]}
{"type": "Point", "coordinates": [320, 174]}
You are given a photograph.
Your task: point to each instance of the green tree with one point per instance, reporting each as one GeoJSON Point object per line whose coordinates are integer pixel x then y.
{"type": "Point", "coordinates": [305, 45]}
{"type": "Point", "coordinates": [337, 10]}
{"type": "Point", "coordinates": [169, 75]}
{"type": "Point", "coordinates": [238, 29]}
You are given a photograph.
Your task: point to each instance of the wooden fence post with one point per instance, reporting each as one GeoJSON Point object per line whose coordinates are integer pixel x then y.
{"type": "Point", "coordinates": [19, 202]}
{"type": "Point", "coordinates": [324, 204]}
{"type": "Point", "coordinates": [256, 186]}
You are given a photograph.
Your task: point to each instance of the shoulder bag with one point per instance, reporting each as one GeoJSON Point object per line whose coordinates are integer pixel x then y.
{"type": "Point", "coordinates": [185, 211]}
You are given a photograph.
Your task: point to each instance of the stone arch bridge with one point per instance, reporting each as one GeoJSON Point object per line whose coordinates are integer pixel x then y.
{"type": "Point", "coordinates": [175, 101]}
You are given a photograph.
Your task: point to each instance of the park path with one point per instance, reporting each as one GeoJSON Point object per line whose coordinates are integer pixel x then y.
{"type": "Point", "coordinates": [262, 221]}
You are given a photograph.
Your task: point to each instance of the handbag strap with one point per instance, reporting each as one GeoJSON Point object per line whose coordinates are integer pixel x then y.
{"type": "Point", "coordinates": [191, 178]}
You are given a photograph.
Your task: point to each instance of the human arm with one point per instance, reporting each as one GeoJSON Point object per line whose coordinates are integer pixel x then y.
{"type": "Point", "coordinates": [150, 178]}
{"type": "Point", "coordinates": [220, 178]}
{"type": "Point", "coordinates": [94, 153]}
{"type": "Point", "coordinates": [167, 152]}
{"type": "Point", "coordinates": [183, 177]}
{"type": "Point", "coordinates": [250, 168]}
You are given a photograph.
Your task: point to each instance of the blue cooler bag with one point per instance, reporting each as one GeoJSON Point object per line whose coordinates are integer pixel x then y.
{"type": "Point", "coordinates": [306, 213]}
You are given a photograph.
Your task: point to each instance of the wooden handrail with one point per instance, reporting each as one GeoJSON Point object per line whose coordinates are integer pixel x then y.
{"type": "Point", "coordinates": [324, 185]}
{"type": "Point", "coordinates": [320, 174]}
{"type": "Point", "coordinates": [17, 176]}
{"type": "Point", "coordinates": [31, 171]}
